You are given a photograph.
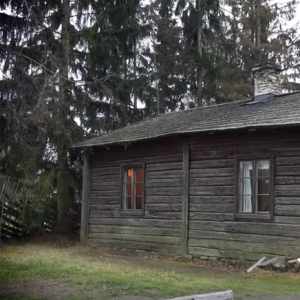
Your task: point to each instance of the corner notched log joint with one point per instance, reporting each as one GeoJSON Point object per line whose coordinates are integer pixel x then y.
{"type": "Point", "coordinates": [84, 231]}
{"type": "Point", "coordinates": [185, 197]}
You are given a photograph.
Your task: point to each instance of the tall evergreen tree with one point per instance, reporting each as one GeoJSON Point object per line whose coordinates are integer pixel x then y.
{"type": "Point", "coordinates": [259, 31]}
{"type": "Point", "coordinates": [204, 40]}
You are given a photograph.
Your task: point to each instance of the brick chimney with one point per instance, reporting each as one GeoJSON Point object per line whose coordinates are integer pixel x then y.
{"type": "Point", "coordinates": [267, 79]}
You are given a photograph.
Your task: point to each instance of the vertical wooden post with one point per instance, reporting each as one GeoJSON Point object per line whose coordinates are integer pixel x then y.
{"type": "Point", "coordinates": [85, 205]}
{"type": "Point", "coordinates": [185, 197]}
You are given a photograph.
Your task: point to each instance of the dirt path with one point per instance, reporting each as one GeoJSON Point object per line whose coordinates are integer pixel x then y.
{"type": "Point", "coordinates": [43, 289]}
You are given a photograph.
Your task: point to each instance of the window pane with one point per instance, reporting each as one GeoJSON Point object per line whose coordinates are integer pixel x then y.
{"type": "Point", "coordinates": [245, 169]}
{"type": "Point", "coordinates": [139, 175]}
{"type": "Point", "coordinates": [263, 167]}
{"type": "Point", "coordinates": [263, 203]}
{"type": "Point", "coordinates": [245, 204]}
{"type": "Point", "coordinates": [139, 189]}
{"type": "Point", "coordinates": [128, 176]}
{"type": "Point", "coordinates": [128, 202]}
{"type": "Point", "coordinates": [133, 186]}
{"type": "Point", "coordinates": [138, 204]}
{"type": "Point", "coordinates": [245, 186]}
{"type": "Point", "coordinates": [263, 186]}
{"type": "Point", "coordinates": [128, 189]}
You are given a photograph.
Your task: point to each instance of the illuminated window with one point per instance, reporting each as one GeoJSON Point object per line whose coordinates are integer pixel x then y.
{"type": "Point", "coordinates": [133, 188]}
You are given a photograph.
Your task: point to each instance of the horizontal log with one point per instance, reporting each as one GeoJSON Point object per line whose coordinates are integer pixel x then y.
{"type": "Point", "coordinates": [102, 187]}
{"type": "Point", "coordinates": [285, 161]}
{"type": "Point", "coordinates": [212, 190]}
{"type": "Point", "coordinates": [111, 193]}
{"type": "Point", "coordinates": [263, 228]}
{"type": "Point", "coordinates": [164, 167]}
{"type": "Point", "coordinates": [224, 253]}
{"type": "Point", "coordinates": [288, 210]}
{"type": "Point", "coordinates": [287, 170]}
{"type": "Point", "coordinates": [287, 220]}
{"type": "Point", "coordinates": [209, 216]}
{"type": "Point", "coordinates": [204, 173]}
{"type": "Point", "coordinates": [174, 191]}
{"type": "Point", "coordinates": [273, 249]}
{"type": "Point", "coordinates": [203, 251]}
{"type": "Point", "coordinates": [290, 193]}
{"type": "Point", "coordinates": [107, 178]}
{"type": "Point", "coordinates": [216, 163]}
{"type": "Point", "coordinates": [135, 230]}
{"type": "Point", "coordinates": [240, 237]}
{"type": "Point", "coordinates": [218, 181]}
{"type": "Point", "coordinates": [140, 158]}
{"type": "Point", "coordinates": [105, 171]}
{"type": "Point", "coordinates": [96, 199]}
{"type": "Point", "coordinates": [169, 240]}
{"type": "Point", "coordinates": [290, 187]}
{"type": "Point", "coordinates": [163, 174]}
{"type": "Point", "coordinates": [109, 184]}
{"type": "Point", "coordinates": [94, 215]}
{"type": "Point", "coordinates": [163, 199]}
{"type": "Point", "coordinates": [206, 154]}
{"type": "Point", "coordinates": [211, 199]}
{"type": "Point", "coordinates": [219, 208]}
{"type": "Point", "coordinates": [142, 222]}
{"type": "Point", "coordinates": [280, 150]}
{"type": "Point", "coordinates": [104, 207]}
{"type": "Point", "coordinates": [281, 180]}
{"type": "Point", "coordinates": [287, 200]}
{"type": "Point", "coordinates": [162, 248]}
{"type": "Point", "coordinates": [154, 183]}
{"type": "Point", "coordinates": [245, 143]}
{"type": "Point", "coordinates": [170, 207]}
{"type": "Point", "coordinates": [292, 190]}
{"type": "Point", "coordinates": [163, 215]}
{"type": "Point", "coordinates": [225, 137]}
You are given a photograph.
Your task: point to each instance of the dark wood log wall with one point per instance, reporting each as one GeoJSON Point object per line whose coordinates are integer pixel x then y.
{"type": "Point", "coordinates": [213, 231]}
{"type": "Point", "coordinates": [160, 228]}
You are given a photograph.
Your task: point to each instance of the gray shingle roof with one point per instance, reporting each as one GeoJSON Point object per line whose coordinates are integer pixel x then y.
{"type": "Point", "coordinates": [279, 111]}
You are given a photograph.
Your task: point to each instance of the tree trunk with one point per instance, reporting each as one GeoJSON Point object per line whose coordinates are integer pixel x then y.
{"type": "Point", "coordinates": [258, 30]}
{"type": "Point", "coordinates": [200, 50]}
{"type": "Point", "coordinates": [135, 77]}
{"type": "Point", "coordinates": [64, 200]}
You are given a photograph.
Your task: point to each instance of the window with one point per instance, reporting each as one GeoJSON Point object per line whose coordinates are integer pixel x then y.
{"type": "Point", "coordinates": [254, 187]}
{"type": "Point", "coordinates": [133, 189]}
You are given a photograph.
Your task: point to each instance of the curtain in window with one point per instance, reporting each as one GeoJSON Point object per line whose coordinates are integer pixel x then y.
{"type": "Point", "coordinates": [246, 192]}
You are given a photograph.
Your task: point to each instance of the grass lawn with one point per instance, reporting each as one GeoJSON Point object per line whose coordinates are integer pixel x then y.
{"type": "Point", "coordinates": [48, 271]}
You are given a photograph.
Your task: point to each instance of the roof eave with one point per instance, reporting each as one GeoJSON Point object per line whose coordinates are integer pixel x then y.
{"type": "Point", "coordinates": [128, 141]}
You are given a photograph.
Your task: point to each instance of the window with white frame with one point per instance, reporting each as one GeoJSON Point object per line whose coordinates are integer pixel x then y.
{"type": "Point", "coordinates": [254, 186]}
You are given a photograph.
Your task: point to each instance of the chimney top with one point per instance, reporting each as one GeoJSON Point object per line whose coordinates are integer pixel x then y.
{"type": "Point", "coordinates": [267, 79]}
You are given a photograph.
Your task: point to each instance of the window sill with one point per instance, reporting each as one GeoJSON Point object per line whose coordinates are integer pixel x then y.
{"type": "Point", "coordinates": [130, 213]}
{"type": "Point", "coordinates": [250, 216]}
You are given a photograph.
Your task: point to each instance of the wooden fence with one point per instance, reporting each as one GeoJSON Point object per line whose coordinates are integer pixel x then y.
{"type": "Point", "coordinates": [16, 197]}
{"type": "Point", "coordinates": [12, 195]}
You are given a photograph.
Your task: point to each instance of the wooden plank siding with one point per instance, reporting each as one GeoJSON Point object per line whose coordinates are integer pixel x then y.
{"type": "Point", "coordinates": [160, 228]}
{"type": "Point", "coordinates": [213, 231]}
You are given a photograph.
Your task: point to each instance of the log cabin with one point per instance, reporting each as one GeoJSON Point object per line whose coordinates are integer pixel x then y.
{"type": "Point", "coordinates": [220, 181]}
